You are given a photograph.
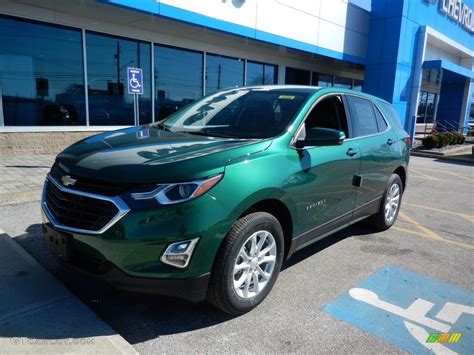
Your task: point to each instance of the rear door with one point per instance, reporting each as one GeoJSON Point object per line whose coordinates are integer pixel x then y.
{"type": "Point", "coordinates": [375, 139]}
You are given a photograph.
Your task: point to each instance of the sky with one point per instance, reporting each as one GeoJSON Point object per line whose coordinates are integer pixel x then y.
{"type": "Point", "coordinates": [365, 4]}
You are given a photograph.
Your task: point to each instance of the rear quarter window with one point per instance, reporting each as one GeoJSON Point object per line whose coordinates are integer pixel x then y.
{"type": "Point", "coordinates": [390, 111]}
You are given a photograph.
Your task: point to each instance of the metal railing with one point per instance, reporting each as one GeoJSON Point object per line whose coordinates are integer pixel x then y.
{"type": "Point", "coordinates": [444, 126]}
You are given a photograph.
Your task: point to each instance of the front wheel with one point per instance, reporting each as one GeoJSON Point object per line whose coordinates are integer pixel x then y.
{"type": "Point", "coordinates": [390, 204]}
{"type": "Point", "coordinates": [248, 264]}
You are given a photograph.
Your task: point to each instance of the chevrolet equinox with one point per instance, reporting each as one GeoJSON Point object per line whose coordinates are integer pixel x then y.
{"type": "Point", "coordinates": [209, 202]}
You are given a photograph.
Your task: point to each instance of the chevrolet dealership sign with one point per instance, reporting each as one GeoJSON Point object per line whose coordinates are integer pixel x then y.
{"type": "Point", "coordinates": [457, 11]}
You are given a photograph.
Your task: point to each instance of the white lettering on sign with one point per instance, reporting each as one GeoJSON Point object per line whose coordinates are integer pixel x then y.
{"type": "Point", "coordinates": [459, 12]}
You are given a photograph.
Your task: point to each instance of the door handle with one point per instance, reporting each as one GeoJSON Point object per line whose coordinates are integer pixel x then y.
{"type": "Point", "coordinates": [351, 152]}
{"type": "Point", "coordinates": [390, 141]}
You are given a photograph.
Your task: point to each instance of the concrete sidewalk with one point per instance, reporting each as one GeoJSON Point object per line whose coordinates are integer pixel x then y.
{"type": "Point", "coordinates": [39, 315]}
{"type": "Point", "coordinates": [21, 178]}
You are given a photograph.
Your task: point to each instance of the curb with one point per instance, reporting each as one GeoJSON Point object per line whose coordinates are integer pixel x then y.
{"type": "Point", "coordinates": [46, 317]}
{"type": "Point", "coordinates": [467, 158]}
{"type": "Point", "coordinates": [20, 197]}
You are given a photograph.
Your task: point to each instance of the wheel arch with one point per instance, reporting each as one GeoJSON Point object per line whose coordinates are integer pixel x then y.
{"type": "Point", "coordinates": [281, 212]}
{"type": "Point", "coordinates": [401, 171]}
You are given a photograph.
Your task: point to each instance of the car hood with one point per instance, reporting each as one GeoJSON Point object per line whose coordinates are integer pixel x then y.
{"type": "Point", "coordinates": [146, 154]}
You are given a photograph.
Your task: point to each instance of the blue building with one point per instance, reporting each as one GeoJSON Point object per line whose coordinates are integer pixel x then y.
{"type": "Point", "coordinates": [63, 64]}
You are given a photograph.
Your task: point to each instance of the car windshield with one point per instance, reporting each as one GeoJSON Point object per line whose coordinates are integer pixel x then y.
{"type": "Point", "coordinates": [239, 113]}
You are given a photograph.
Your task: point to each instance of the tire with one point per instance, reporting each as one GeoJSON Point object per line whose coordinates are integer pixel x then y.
{"type": "Point", "coordinates": [224, 292]}
{"type": "Point", "coordinates": [381, 220]}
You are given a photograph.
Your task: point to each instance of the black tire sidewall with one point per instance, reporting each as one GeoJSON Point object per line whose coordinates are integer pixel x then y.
{"type": "Point", "coordinates": [263, 222]}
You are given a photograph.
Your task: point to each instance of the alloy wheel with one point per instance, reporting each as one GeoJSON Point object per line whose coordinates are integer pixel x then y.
{"type": "Point", "coordinates": [392, 202]}
{"type": "Point", "coordinates": [254, 264]}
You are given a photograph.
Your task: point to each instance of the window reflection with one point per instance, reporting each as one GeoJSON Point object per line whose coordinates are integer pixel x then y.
{"type": "Point", "coordinates": [295, 76]}
{"type": "Point", "coordinates": [261, 74]}
{"type": "Point", "coordinates": [107, 61]}
{"type": "Point", "coordinates": [41, 74]}
{"type": "Point", "coordinates": [341, 82]}
{"type": "Point", "coordinates": [322, 80]}
{"type": "Point", "coordinates": [223, 72]}
{"type": "Point", "coordinates": [178, 79]}
{"type": "Point", "coordinates": [358, 85]}
{"type": "Point", "coordinates": [426, 105]}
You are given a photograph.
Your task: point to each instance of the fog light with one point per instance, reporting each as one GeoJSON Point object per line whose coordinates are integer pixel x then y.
{"type": "Point", "coordinates": [179, 254]}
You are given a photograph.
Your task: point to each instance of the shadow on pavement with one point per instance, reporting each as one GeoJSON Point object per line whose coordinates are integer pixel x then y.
{"type": "Point", "coordinates": [138, 317]}
{"type": "Point", "coordinates": [28, 166]}
{"type": "Point", "coordinates": [35, 306]}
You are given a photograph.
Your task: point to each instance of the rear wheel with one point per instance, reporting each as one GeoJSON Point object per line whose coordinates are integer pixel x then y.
{"type": "Point", "coordinates": [390, 204]}
{"type": "Point", "coordinates": [248, 264]}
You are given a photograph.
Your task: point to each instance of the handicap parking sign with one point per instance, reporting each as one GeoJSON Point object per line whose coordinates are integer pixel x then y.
{"type": "Point", "coordinates": [414, 312]}
{"type": "Point", "coordinates": [135, 81]}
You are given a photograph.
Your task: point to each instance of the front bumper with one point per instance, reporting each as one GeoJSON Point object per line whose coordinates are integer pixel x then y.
{"type": "Point", "coordinates": [71, 256]}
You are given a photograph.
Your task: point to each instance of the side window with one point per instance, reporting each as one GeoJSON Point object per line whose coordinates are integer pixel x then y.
{"type": "Point", "coordinates": [362, 116]}
{"type": "Point", "coordinates": [328, 113]}
{"type": "Point", "coordinates": [390, 110]}
{"type": "Point", "coordinates": [382, 125]}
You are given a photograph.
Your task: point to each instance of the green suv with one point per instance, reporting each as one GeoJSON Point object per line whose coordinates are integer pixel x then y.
{"type": "Point", "coordinates": [209, 202]}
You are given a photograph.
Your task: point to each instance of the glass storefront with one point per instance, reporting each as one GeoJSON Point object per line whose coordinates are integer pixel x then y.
{"type": "Point", "coordinates": [41, 74]}
{"type": "Point", "coordinates": [107, 61]}
{"type": "Point", "coordinates": [223, 72]}
{"type": "Point", "coordinates": [261, 74]}
{"type": "Point", "coordinates": [321, 80]}
{"type": "Point", "coordinates": [357, 85]}
{"type": "Point", "coordinates": [43, 66]}
{"type": "Point", "coordinates": [341, 82]}
{"type": "Point", "coordinates": [178, 79]}
{"type": "Point", "coordinates": [426, 107]}
{"type": "Point", "coordinates": [295, 76]}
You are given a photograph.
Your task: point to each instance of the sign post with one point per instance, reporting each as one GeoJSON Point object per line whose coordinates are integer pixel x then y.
{"type": "Point", "coordinates": [135, 88]}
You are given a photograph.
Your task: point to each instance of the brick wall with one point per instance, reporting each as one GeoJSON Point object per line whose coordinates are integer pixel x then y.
{"type": "Point", "coordinates": [38, 142]}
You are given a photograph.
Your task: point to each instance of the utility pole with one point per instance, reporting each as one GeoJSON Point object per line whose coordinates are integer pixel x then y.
{"type": "Point", "coordinates": [117, 57]}
{"type": "Point", "coordinates": [219, 77]}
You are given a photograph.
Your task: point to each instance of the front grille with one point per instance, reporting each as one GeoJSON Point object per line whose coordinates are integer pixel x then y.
{"type": "Point", "coordinates": [90, 185]}
{"type": "Point", "coordinates": [77, 211]}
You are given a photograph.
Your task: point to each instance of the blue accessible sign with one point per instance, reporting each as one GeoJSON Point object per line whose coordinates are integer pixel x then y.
{"type": "Point", "coordinates": [135, 81]}
{"type": "Point", "coordinates": [414, 312]}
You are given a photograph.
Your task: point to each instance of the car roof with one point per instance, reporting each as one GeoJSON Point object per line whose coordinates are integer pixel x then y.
{"type": "Point", "coordinates": [314, 89]}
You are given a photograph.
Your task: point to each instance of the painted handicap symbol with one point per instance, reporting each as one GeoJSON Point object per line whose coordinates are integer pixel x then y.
{"type": "Point", "coordinates": [416, 313]}
{"type": "Point", "coordinates": [134, 83]}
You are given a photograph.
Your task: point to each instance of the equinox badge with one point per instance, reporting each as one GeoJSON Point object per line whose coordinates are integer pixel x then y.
{"type": "Point", "coordinates": [68, 181]}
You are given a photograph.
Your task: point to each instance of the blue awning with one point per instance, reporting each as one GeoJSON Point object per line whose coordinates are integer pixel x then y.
{"type": "Point", "coordinates": [447, 65]}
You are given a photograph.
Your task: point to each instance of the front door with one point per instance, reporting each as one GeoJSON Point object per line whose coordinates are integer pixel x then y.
{"type": "Point", "coordinates": [327, 192]}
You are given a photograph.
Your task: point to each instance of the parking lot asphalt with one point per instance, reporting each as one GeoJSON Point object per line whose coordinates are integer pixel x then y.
{"type": "Point", "coordinates": [433, 237]}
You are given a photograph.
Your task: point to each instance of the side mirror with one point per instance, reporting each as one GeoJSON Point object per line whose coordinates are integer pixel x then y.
{"type": "Point", "coordinates": [321, 137]}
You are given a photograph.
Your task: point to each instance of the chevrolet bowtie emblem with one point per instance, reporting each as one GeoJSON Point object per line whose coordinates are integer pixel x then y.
{"type": "Point", "coordinates": [68, 181]}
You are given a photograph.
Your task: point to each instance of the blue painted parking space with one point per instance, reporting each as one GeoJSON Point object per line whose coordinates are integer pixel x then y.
{"type": "Point", "coordinates": [411, 311]}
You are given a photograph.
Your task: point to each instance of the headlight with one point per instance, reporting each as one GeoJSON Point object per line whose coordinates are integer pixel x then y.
{"type": "Point", "coordinates": [167, 194]}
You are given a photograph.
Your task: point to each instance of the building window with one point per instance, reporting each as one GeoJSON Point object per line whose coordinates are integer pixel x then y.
{"type": "Point", "coordinates": [223, 72]}
{"type": "Point", "coordinates": [107, 61]}
{"type": "Point", "coordinates": [357, 85]}
{"type": "Point", "coordinates": [178, 79]}
{"type": "Point", "coordinates": [261, 74]}
{"type": "Point", "coordinates": [321, 80]}
{"type": "Point", "coordinates": [295, 76]}
{"type": "Point", "coordinates": [426, 104]}
{"type": "Point", "coordinates": [340, 82]}
{"type": "Point", "coordinates": [41, 74]}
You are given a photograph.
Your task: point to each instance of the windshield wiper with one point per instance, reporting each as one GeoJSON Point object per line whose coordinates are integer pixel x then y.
{"type": "Point", "coordinates": [209, 134]}
{"type": "Point", "coordinates": [162, 126]}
